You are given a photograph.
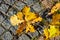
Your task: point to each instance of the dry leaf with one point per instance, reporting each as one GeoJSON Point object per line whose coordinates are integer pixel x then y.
{"type": "Point", "coordinates": [39, 19]}
{"type": "Point", "coordinates": [25, 10]}
{"type": "Point", "coordinates": [30, 28]}
{"type": "Point", "coordinates": [21, 27]}
{"type": "Point", "coordinates": [26, 22]}
{"type": "Point", "coordinates": [56, 19]}
{"type": "Point", "coordinates": [14, 20]}
{"type": "Point", "coordinates": [46, 33]}
{"type": "Point", "coordinates": [20, 15]}
{"type": "Point", "coordinates": [51, 32]}
{"type": "Point", "coordinates": [54, 9]}
{"type": "Point", "coordinates": [31, 16]}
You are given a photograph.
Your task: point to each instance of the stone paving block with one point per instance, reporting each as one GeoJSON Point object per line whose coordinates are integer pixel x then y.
{"type": "Point", "coordinates": [19, 5]}
{"type": "Point", "coordinates": [24, 37]}
{"type": "Point", "coordinates": [1, 30]}
{"type": "Point", "coordinates": [44, 13]}
{"type": "Point", "coordinates": [37, 7]}
{"type": "Point", "coordinates": [55, 38]}
{"type": "Point", "coordinates": [3, 8]}
{"type": "Point", "coordinates": [40, 29]}
{"type": "Point", "coordinates": [6, 24]}
{"type": "Point", "coordinates": [30, 2]}
{"type": "Point", "coordinates": [47, 3]}
{"type": "Point", "coordinates": [1, 18]}
{"type": "Point", "coordinates": [33, 34]}
{"type": "Point", "coordinates": [10, 2]}
{"type": "Point", "coordinates": [13, 30]}
{"type": "Point", "coordinates": [12, 11]}
{"type": "Point", "coordinates": [0, 1]}
{"type": "Point", "coordinates": [7, 36]}
{"type": "Point", "coordinates": [16, 27]}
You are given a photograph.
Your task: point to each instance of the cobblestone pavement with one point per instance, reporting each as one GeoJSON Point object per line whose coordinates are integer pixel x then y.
{"type": "Point", "coordinates": [10, 7]}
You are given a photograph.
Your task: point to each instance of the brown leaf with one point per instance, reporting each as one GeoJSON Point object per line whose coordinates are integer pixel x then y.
{"type": "Point", "coordinates": [21, 27]}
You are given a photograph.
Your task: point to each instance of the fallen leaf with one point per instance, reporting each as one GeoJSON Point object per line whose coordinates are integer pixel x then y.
{"type": "Point", "coordinates": [20, 15]}
{"type": "Point", "coordinates": [54, 9]}
{"type": "Point", "coordinates": [21, 27]}
{"type": "Point", "coordinates": [39, 19]}
{"type": "Point", "coordinates": [30, 28]}
{"type": "Point", "coordinates": [14, 20]}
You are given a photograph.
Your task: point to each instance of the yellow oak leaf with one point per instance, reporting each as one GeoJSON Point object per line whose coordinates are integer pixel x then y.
{"type": "Point", "coordinates": [14, 20]}
{"type": "Point", "coordinates": [39, 19]}
{"type": "Point", "coordinates": [24, 19]}
{"type": "Point", "coordinates": [46, 33]}
{"type": "Point", "coordinates": [54, 9]}
{"type": "Point", "coordinates": [20, 15]}
{"type": "Point", "coordinates": [56, 19]}
{"type": "Point", "coordinates": [52, 31]}
{"type": "Point", "coordinates": [25, 10]}
{"type": "Point", "coordinates": [30, 28]}
{"type": "Point", "coordinates": [31, 16]}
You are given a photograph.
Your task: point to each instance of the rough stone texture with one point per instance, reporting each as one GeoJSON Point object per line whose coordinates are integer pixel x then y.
{"type": "Point", "coordinates": [13, 30]}
{"type": "Point", "coordinates": [23, 37]}
{"type": "Point", "coordinates": [12, 11]}
{"type": "Point", "coordinates": [6, 24]}
{"type": "Point", "coordinates": [0, 1]}
{"type": "Point", "coordinates": [3, 8]}
{"type": "Point", "coordinates": [16, 27]}
{"type": "Point", "coordinates": [1, 30]}
{"type": "Point", "coordinates": [33, 34]}
{"type": "Point", "coordinates": [10, 2]}
{"type": "Point", "coordinates": [7, 36]}
{"type": "Point", "coordinates": [19, 5]}
{"type": "Point", "coordinates": [30, 2]}
{"type": "Point", "coordinates": [47, 3]}
{"type": "Point", "coordinates": [1, 18]}
{"type": "Point", "coordinates": [37, 7]}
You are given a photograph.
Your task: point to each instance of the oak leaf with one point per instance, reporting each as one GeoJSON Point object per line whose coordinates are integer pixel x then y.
{"type": "Point", "coordinates": [14, 20]}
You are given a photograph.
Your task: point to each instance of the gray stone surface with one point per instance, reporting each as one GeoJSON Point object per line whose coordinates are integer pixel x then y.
{"type": "Point", "coordinates": [6, 24]}
{"type": "Point", "coordinates": [10, 2]}
{"type": "Point", "coordinates": [24, 37]}
{"type": "Point", "coordinates": [0, 1]}
{"type": "Point", "coordinates": [19, 5]}
{"type": "Point", "coordinates": [33, 34]}
{"type": "Point", "coordinates": [37, 7]}
{"type": "Point", "coordinates": [16, 27]}
{"type": "Point", "coordinates": [13, 30]}
{"type": "Point", "coordinates": [3, 8]}
{"type": "Point", "coordinates": [1, 18]}
{"type": "Point", "coordinates": [1, 30]}
{"type": "Point", "coordinates": [30, 2]}
{"type": "Point", "coordinates": [12, 11]}
{"type": "Point", "coordinates": [7, 36]}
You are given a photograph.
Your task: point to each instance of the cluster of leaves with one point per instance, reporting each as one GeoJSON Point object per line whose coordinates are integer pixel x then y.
{"type": "Point", "coordinates": [54, 29]}
{"type": "Point", "coordinates": [24, 19]}
{"type": "Point", "coordinates": [51, 32]}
